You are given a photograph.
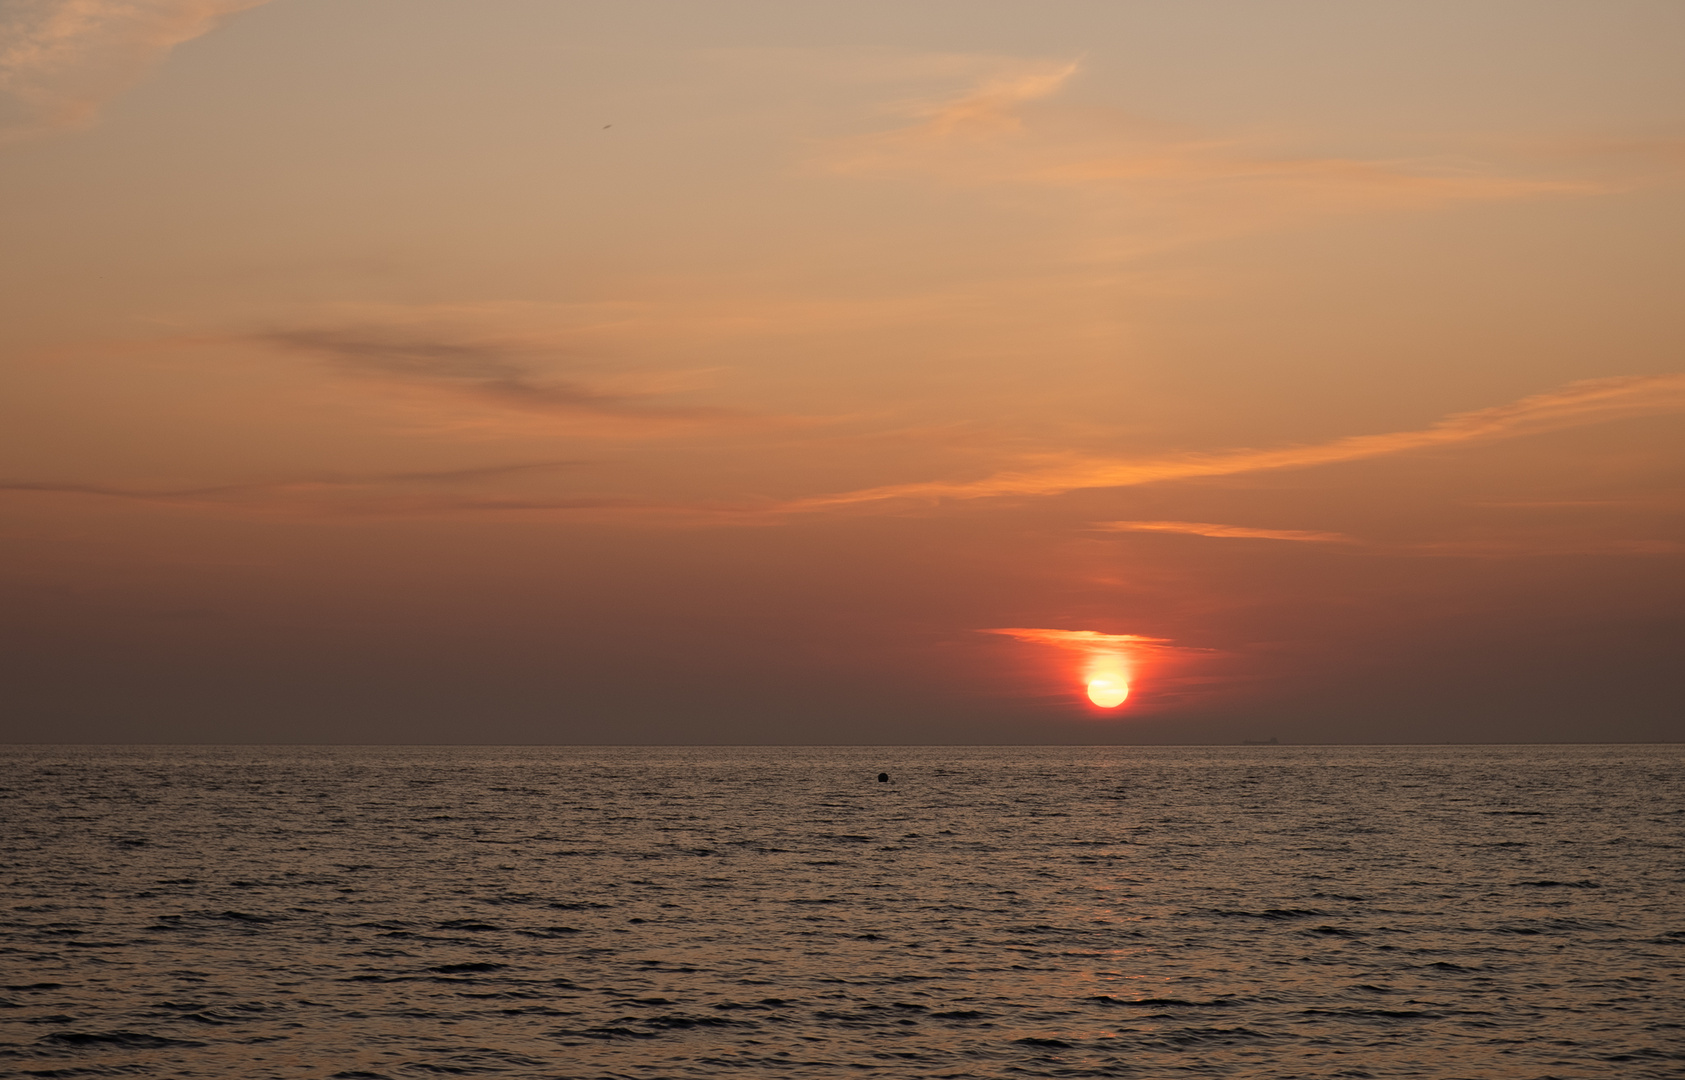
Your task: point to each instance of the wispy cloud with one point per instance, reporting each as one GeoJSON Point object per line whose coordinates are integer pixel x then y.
{"type": "Point", "coordinates": [1227, 532]}
{"type": "Point", "coordinates": [1589, 402]}
{"type": "Point", "coordinates": [1530, 546]}
{"type": "Point", "coordinates": [435, 491]}
{"type": "Point", "coordinates": [61, 60]}
{"type": "Point", "coordinates": [1624, 161]}
{"type": "Point", "coordinates": [1158, 183]}
{"type": "Point", "coordinates": [521, 489]}
{"type": "Point", "coordinates": [992, 107]}
{"type": "Point", "coordinates": [1083, 641]}
{"type": "Point", "coordinates": [1533, 547]}
{"type": "Point", "coordinates": [502, 373]}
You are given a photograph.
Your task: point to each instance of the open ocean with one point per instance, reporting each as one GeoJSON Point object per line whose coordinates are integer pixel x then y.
{"type": "Point", "coordinates": [248, 912]}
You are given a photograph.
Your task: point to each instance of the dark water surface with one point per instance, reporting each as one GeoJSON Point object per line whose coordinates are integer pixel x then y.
{"type": "Point", "coordinates": [682, 912]}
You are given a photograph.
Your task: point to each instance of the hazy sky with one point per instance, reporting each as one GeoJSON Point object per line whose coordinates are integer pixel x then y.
{"type": "Point", "coordinates": [545, 371]}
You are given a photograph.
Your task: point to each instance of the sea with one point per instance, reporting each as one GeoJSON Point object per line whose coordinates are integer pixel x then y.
{"type": "Point", "coordinates": [360, 913]}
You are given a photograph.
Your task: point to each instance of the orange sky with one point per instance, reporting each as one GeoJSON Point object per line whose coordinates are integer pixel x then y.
{"type": "Point", "coordinates": [828, 373]}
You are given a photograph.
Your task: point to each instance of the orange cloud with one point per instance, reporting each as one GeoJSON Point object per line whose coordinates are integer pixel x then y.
{"type": "Point", "coordinates": [1476, 548]}
{"type": "Point", "coordinates": [1084, 641]}
{"type": "Point", "coordinates": [63, 59]}
{"type": "Point", "coordinates": [992, 106]}
{"type": "Point", "coordinates": [1347, 180]}
{"type": "Point", "coordinates": [1236, 532]}
{"type": "Point", "coordinates": [1588, 402]}
{"type": "Point", "coordinates": [1154, 184]}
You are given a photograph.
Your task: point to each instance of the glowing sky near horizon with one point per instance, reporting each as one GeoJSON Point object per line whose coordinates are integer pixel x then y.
{"type": "Point", "coordinates": [625, 372]}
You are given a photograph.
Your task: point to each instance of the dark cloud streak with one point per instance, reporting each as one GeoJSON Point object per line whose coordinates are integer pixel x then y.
{"type": "Point", "coordinates": [365, 492]}
{"type": "Point", "coordinates": [486, 370]}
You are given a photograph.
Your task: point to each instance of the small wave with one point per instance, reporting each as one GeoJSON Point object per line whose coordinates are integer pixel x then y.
{"type": "Point", "coordinates": [1187, 1037]}
{"type": "Point", "coordinates": [606, 1032]}
{"type": "Point", "coordinates": [212, 1017]}
{"type": "Point", "coordinates": [1374, 1014]}
{"type": "Point", "coordinates": [479, 1060]}
{"type": "Point", "coordinates": [243, 917]}
{"type": "Point", "coordinates": [680, 1020]}
{"type": "Point", "coordinates": [96, 944]}
{"type": "Point", "coordinates": [129, 1040]}
{"type": "Point", "coordinates": [1159, 1002]}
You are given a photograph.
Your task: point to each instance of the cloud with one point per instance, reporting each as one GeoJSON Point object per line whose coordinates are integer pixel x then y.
{"type": "Point", "coordinates": [516, 489]}
{"type": "Point", "coordinates": [1624, 160]}
{"type": "Point", "coordinates": [992, 107]}
{"type": "Point", "coordinates": [1083, 641]}
{"type": "Point", "coordinates": [1233, 532]}
{"type": "Point", "coordinates": [492, 371]}
{"type": "Point", "coordinates": [1534, 547]}
{"type": "Point", "coordinates": [409, 492]}
{"type": "Point", "coordinates": [63, 59]}
{"type": "Point", "coordinates": [1154, 183]}
{"type": "Point", "coordinates": [1588, 402]}
{"type": "Point", "coordinates": [470, 474]}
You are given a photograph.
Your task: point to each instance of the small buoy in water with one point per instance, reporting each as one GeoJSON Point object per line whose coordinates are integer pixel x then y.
{"type": "Point", "coordinates": [883, 778]}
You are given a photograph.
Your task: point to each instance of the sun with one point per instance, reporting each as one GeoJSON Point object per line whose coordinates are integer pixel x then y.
{"type": "Point", "coordinates": [1107, 691]}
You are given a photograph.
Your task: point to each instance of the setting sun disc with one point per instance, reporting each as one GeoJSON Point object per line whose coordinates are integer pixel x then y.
{"type": "Point", "coordinates": [1108, 693]}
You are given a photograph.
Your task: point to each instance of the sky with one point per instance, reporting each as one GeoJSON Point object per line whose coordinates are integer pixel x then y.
{"type": "Point", "coordinates": [535, 371]}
